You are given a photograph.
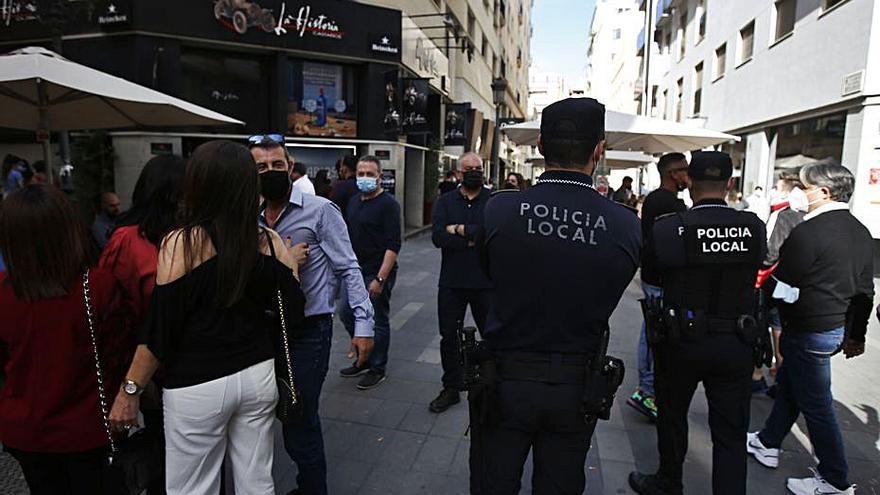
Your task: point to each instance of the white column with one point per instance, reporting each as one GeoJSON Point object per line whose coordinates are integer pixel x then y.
{"type": "Point", "coordinates": [131, 153]}
{"type": "Point", "coordinates": [861, 154]}
{"type": "Point", "coordinates": [757, 161]}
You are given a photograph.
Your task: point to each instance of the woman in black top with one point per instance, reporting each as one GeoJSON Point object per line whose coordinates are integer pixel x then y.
{"type": "Point", "coordinates": [210, 324]}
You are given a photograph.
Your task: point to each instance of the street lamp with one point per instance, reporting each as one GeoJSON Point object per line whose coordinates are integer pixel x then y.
{"type": "Point", "coordinates": [499, 91]}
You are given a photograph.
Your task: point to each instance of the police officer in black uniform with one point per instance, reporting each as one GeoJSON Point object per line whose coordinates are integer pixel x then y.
{"type": "Point", "coordinates": [708, 259]}
{"type": "Point", "coordinates": [560, 256]}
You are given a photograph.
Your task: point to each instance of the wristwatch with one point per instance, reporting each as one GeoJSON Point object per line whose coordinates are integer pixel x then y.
{"type": "Point", "coordinates": [130, 387]}
{"type": "Point", "coordinates": [380, 280]}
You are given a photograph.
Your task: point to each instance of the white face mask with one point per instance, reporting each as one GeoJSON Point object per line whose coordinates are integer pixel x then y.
{"type": "Point", "coordinates": [799, 201]}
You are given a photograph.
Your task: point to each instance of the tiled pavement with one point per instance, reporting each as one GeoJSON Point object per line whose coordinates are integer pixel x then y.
{"type": "Point", "coordinates": [385, 441]}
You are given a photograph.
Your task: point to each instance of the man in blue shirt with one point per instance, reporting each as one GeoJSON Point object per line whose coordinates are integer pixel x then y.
{"type": "Point", "coordinates": [457, 231]}
{"type": "Point", "coordinates": [313, 226]}
{"type": "Point", "coordinates": [374, 226]}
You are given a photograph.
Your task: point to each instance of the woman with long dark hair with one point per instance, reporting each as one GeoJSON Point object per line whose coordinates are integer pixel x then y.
{"type": "Point", "coordinates": [208, 325]}
{"type": "Point", "coordinates": [50, 419]}
{"type": "Point", "coordinates": [132, 255]}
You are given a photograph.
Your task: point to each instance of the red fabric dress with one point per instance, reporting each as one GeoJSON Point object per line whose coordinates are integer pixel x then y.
{"type": "Point", "coordinates": [133, 260]}
{"type": "Point", "coordinates": [50, 400]}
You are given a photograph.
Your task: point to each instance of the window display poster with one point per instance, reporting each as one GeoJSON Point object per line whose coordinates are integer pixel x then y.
{"type": "Point", "coordinates": [392, 118]}
{"type": "Point", "coordinates": [389, 180]}
{"type": "Point", "coordinates": [415, 106]}
{"type": "Point", "coordinates": [320, 102]}
{"type": "Point", "coordinates": [456, 124]}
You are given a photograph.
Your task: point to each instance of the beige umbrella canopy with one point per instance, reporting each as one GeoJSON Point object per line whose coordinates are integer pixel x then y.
{"type": "Point", "coordinates": [627, 132]}
{"type": "Point", "coordinates": [41, 90]}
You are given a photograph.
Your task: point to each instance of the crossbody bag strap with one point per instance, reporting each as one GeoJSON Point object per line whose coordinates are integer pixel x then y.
{"type": "Point", "coordinates": [102, 395]}
{"type": "Point", "coordinates": [288, 360]}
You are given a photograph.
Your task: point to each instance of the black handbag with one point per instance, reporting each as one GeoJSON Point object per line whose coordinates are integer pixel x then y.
{"type": "Point", "coordinates": [289, 408]}
{"type": "Point", "coordinates": [136, 459]}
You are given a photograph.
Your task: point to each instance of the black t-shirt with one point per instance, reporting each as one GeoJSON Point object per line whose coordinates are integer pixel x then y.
{"type": "Point", "coordinates": [460, 268]}
{"type": "Point", "coordinates": [341, 193]}
{"type": "Point", "coordinates": [559, 256]}
{"type": "Point", "coordinates": [659, 202]}
{"type": "Point", "coordinates": [374, 227]}
{"type": "Point", "coordinates": [199, 342]}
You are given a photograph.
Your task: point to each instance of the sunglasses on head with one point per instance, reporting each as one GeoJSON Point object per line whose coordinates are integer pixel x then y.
{"type": "Point", "coordinates": [259, 139]}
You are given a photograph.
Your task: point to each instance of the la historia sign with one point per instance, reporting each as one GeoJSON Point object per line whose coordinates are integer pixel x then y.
{"type": "Point", "coordinates": [240, 18]}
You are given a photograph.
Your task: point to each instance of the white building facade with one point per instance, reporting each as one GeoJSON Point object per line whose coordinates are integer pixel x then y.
{"type": "Point", "coordinates": [797, 80]}
{"type": "Point", "coordinates": [613, 64]}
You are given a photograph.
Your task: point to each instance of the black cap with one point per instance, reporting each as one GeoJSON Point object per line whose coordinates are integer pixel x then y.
{"type": "Point", "coordinates": [574, 118]}
{"type": "Point", "coordinates": [710, 165]}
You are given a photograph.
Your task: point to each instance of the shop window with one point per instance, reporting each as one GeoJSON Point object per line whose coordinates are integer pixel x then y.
{"type": "Point", "coordinates": [698, 89]}
{"type": "Point", "coordinates": [230, 84]}
{"type": "Point", "coordinates": [321, 100]}
{"type": "Point", "coordinates": [720, 60]}
{"type": "Point", "coordinates": [746, 42]}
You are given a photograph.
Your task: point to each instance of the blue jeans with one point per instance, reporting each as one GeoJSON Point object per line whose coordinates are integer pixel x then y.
{"type": "Point", "coordinates": [804, 386]}
{"type": "Point", "coordinates": [646, 357]}
{"type": "Point", "coordinates": [303, 439]}
{"type": "Point", "coordinates": [381, 325]}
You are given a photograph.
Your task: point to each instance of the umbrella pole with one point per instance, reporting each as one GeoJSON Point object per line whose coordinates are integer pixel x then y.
{"type": "Point", "coordinates": [43, 102]}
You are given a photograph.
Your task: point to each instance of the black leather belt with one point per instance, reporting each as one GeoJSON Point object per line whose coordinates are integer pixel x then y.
{"type": "Point", "coordinates": [542, 367]}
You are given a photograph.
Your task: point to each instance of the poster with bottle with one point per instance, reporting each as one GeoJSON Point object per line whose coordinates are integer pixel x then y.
{"type": "Point", "coordinates": [318, 105]}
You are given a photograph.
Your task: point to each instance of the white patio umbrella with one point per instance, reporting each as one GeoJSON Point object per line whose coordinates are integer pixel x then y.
{"type": "Point", "coordinates": [41, 90]}
{"type": "Point", "coordinates": [615, 160]}
{"type": "Point", "coordinates": [625, 131]}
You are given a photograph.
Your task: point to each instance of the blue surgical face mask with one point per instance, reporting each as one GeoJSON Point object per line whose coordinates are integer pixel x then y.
{"type": "Point", "coordinates": [367, 184]}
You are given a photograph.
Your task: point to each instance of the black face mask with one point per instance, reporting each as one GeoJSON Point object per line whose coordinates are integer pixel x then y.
{"type": "Point", "coordinates": [473, 179]}
{"type": "Point", "coordinates": [274, 185]}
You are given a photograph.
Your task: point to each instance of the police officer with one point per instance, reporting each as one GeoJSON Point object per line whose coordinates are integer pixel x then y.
{"type": "Point", "coordinates": [560, 256]}
{"type": "Point", "coordinates": [708, 259]}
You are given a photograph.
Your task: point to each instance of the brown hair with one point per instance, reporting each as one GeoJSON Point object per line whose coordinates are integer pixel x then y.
{"type": "Point", "coordinates": [44, 243]}
{"type": "Point", "coordinates": [220, 194]}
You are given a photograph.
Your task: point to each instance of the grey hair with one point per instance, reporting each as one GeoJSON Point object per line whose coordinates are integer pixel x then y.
{"type": "Point", "coordinates": [469, 154]}
{"type": "Point", "coordinates": [836, 178]}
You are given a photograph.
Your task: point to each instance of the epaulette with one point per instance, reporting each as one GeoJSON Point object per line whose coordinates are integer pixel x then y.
{"type": "Point", "coordinates": [665, 215]}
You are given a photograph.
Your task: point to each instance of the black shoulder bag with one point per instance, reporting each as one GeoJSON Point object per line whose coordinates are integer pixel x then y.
{"type": "Point", "coordinates": [289, 408]}
{"type": "Point", "coordinates": [137, 458]}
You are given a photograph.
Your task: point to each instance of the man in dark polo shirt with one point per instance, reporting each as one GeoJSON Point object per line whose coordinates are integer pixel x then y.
{"type": "Point", "coordinates": [373, 218]}
{"type": "Point", "coordinates": [457, 231]}
{"type": "Point", "coordinates": [673, 169]}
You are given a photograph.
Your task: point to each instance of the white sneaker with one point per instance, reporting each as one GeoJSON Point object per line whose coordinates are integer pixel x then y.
{"type": "Point", "coordinates": [816, 486]}
{"type": "Point", "coordinates": [766, 456]}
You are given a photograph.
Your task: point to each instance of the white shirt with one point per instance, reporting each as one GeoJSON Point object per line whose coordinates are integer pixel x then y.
{"type": "Point", "coordinates": [837, 205]}
{"type": "Point", "coordinates": [304, 185]}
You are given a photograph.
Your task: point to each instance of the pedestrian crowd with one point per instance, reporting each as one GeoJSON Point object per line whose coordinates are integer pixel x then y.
{"type": "Point", "coordinates": [168, 337]}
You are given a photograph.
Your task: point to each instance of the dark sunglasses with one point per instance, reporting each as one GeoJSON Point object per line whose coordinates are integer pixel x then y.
{"type": "Point", "coordinates": [259, 139]}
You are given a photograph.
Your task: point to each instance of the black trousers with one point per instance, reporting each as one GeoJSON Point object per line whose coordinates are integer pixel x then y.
{"type": "Point", "coordinates": [451, 307]}
{"type": "Point", "coordinates": [541, 417]}
{"type": "Point", "coordinates": [724, 364]}
{"type": "Point", "coordinates": [77, 473]}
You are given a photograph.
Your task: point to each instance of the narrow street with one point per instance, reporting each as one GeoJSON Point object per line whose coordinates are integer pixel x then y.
{"type": "Point", "coordinates": [385, 441]}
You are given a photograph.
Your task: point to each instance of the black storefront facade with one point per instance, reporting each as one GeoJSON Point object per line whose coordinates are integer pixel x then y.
{"type": "Point", "coordinates": [317, 71]}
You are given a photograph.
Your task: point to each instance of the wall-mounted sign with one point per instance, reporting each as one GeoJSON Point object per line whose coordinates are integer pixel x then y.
{"type": "Point", "coordinates": [104, 13]}
{"type": "Point", "coordinates": [392, 117]}
{"type": "Point", "coordinates": [456, 124]}
{"type": "Point", "coordinates": [422, 56]}
{"type": "Point", "coordinates": [115, 13]}
{"type": "Point", "coordinates": [383, 154]}
{"type": "Point", "coordinates": [415, 106]}
{"type": "Point", "coordinates": [241, 15]}
{"type": "Point", "coordinates": [389, 180]}
{"type": "Point", "coordinates": [161, 148]}
{"type": "Point", "coordinates": [384, 44]}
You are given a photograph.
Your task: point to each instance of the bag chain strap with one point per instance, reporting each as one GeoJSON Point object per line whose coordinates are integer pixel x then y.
{"type": "Point", "coordinates": [286, 344]}
{"type": "Point", "coordinates": [102, 396]}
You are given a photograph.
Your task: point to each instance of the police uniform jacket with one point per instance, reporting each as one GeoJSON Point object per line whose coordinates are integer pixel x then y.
{"type": "Point", "coordinates": [708, 259]}
{"type": "Point", "coordinates": [560, 256]}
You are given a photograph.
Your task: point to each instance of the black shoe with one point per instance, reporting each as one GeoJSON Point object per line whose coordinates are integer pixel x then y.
{"type": "Point", "coordinates": [651, 484]}
{"type": "Point", "coordinates": [371, 380]}
{"type": "Point", "coordinates": [353, 371]}
{"type": "Point", "coordinates": [448, 397]}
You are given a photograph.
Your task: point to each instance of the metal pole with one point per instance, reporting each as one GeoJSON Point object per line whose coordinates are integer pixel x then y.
{"type": "Point", "coordinates": [43, 102]}
{"type": "Point", "coordinates": [649, 40]}
{"type": "Point", "coordinates": [496, 162]}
